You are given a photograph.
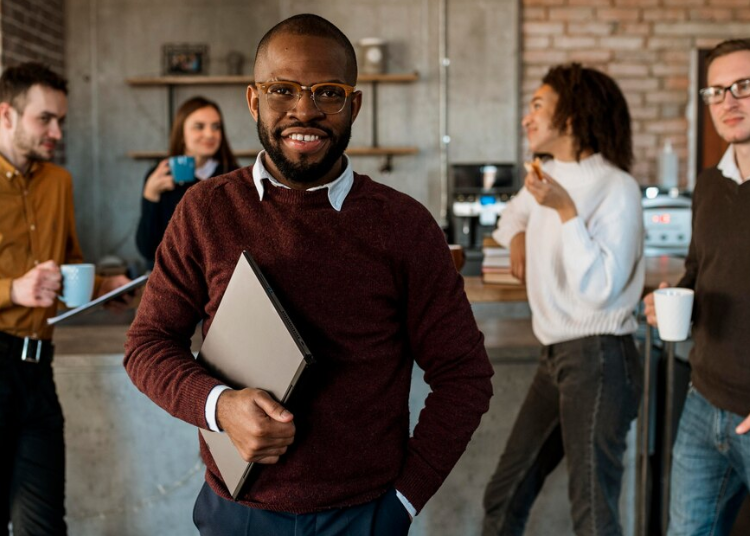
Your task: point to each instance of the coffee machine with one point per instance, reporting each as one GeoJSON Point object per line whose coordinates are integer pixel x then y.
{"type": "Point", "coordinates": [478, 194]}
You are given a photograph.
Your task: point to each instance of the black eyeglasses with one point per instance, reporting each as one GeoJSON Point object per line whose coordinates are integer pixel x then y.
{"type": "Point", "coordinates": [329, 97]}
{"type": "Point", "coordinates": [715, 94]}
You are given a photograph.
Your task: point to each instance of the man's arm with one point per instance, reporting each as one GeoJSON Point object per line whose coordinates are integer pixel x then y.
{"type": "Point", "coordinates": [157, 352]}
{"type": "Point", "coordinates": [447, 345]}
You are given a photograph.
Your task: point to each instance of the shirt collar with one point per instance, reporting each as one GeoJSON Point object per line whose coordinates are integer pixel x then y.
{"type": "Point", "coordinates": [206, 171]}
{"type": "Point", "coordinates": [8, 170]}
{"type": "Point", "coordinates": [337, 190]}
{"type": "Point", "coordinates": [728, 166]}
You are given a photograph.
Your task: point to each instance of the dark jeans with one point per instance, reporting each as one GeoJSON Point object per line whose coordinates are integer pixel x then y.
{"type": "Point", "coordinates": [32, 452]}
{"type": "Point", "coordinates": [215, 516]}
{"type": "Point", "coordinates": [580, 405]}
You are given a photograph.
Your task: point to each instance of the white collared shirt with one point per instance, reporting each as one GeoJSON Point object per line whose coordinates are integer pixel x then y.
{"type": "Point", "coordinates": [728, 166]}
{"type": "Point", "coordinates": [206, 171]}
{"type": "Point", "coordinates": [337, 190]}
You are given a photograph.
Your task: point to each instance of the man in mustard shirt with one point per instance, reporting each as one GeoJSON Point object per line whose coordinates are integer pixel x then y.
{"type": "Point", "coordinates": [37, 234]}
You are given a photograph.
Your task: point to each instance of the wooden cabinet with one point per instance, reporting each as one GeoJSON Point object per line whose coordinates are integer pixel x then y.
{"type": "Point", "coordinates": [374, 80]}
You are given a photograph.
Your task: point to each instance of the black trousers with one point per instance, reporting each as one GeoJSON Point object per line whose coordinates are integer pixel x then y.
{"type": "Point", "coordinates": [32, 451]}
{"type": "Point", "coordinates": [385, 516]}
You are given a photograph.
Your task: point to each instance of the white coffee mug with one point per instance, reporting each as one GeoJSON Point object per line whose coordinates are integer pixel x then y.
{"type": "Point", "coordinates": [77, 284]}
{"type": "Point", "coordinates": [674, 308]}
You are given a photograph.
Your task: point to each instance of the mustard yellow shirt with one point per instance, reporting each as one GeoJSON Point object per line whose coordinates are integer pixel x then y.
{"type": "Point", "coordinates": [37, 223]}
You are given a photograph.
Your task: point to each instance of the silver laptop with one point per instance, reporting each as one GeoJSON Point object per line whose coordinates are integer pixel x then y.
{"type": "Point", "coordinates": [251, 343]}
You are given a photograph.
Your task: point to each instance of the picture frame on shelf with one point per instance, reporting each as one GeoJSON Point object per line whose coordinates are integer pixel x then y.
{"type": "Point", "coordinates": [184, 59]}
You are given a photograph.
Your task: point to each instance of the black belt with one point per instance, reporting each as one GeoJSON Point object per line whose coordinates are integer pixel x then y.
{"type": "Point", "coordinates": [25, 349]}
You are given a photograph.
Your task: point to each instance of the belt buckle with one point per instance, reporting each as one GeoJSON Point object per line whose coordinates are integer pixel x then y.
{"type": "Point", "coordinates": [31, 356]}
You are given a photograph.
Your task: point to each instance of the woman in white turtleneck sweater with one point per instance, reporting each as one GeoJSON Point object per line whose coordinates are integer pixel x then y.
{"type": "Point", "coordinates": [576, 237]}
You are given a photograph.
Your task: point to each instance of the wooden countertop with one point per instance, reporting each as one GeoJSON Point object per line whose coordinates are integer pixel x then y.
{"type": "Point", "coordinates": [658, 269]}
{"type": "Point", "coordinates": [109, 338]}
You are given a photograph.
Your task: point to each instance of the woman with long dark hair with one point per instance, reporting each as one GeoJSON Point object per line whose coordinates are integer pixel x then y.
{"type": "Point", "coordinates": [575, 233]}
{"type": "Point", "coordinates": [197, 131]}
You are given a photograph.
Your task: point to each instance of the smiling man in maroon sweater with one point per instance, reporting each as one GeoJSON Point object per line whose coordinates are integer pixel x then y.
{"type": "Point", "coordinates": [365, 273]}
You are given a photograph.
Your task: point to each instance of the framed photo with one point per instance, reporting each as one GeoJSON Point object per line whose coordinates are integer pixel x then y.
{"type": "Point", "coordinates": [185, 59]}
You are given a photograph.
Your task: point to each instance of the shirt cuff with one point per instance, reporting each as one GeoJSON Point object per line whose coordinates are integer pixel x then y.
{"type": "Point", "coordinates": [409, 508]}
{"type": "Point", "coordinates": [211, 401]}
{"type": "Point", "coordinates": [5, 300]}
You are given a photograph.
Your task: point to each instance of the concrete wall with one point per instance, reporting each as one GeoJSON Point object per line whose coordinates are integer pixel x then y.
{"type": "Point", "coordinates": [111, 40]}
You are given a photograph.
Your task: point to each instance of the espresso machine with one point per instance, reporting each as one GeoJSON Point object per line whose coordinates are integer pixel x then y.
{"type": "Point", "coordinates": [478, 194]}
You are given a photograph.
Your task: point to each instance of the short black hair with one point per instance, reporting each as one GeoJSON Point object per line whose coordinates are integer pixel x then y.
{"type": "Point", "coordinates": [597, 111]}
{"type": "Point", "coordinates": [727, 47]}
{"type": "Point", "coordinates": [16, 81]}
{"type": "Point", "coordinates": [308, 24]}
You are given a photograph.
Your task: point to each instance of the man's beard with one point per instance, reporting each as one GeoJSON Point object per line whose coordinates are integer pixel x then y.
{"type": "Point", "coordinates": [303, 172]}
{"type": "Point", "coordinates": [27, 146]}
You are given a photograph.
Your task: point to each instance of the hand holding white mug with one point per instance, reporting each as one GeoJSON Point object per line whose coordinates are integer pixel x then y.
{"type": "Point", "coordinates": [650, 309]}
{"type": "Point", "coordinates": [674, 309]}
{"type": "Point", "coordinates": [38, 287]}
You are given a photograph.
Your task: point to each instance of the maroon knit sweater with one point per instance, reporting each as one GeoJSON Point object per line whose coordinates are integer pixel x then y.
{"type": "Point", "coordinates": [372, 289]}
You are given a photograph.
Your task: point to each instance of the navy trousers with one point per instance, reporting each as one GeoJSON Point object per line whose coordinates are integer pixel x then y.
{"type": "Point", "coordinates": [215, 516]}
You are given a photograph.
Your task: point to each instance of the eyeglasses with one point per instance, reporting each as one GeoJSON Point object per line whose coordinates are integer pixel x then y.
{"type": "Point", "coordinates": [715, 94]}
{"type": "Point", "coordinates": [329, 97]}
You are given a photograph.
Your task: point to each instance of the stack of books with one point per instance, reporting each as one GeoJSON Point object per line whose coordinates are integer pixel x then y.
{"type": "Point", "coordinates": [496, 264]}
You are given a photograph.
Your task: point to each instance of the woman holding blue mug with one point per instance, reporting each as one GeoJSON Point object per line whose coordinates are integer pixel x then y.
{"type": "Point", "coordinates": [197, 133]}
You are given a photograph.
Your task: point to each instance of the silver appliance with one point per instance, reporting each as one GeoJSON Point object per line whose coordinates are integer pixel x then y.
{"type": "Point", "coordinates": [478, 195]}
{"type": "Point", "coordinates": [667, 222]}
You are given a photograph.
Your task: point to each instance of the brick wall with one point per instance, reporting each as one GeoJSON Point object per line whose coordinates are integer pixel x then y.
{"type": "Point", "coordinates": [33, 30]}
{"type": "Point", "coordinates": [645, 45]}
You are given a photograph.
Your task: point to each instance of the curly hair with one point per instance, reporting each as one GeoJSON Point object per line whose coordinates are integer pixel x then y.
{"type": "Point", "coordinates": [17, 80]}
{"type": "Point", "coordinates": [595, 108]}
{"type": "Point", "coordinates": [177, 137]}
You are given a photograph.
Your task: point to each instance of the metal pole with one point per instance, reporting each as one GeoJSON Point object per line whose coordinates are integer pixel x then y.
{"type": "Point", "coordinates": [443, 107]}
{"type": "Point", "coordinates": [667, 447]}
{"type": "Point", "coordinates": [374, 114]}
{"type": "Point", "coordinates": [170, 108]}
{"type": "Point", "coordinates": [643, 495]}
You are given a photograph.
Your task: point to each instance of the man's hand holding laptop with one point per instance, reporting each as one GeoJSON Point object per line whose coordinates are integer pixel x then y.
{"type": "Point", "coordinates": [260, 428]}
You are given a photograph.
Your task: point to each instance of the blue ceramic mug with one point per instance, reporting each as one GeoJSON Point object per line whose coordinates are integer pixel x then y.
{"type": "Point", "coordinates": [182, 168]}
{"type": "Point", "coordinates": [77, 283]}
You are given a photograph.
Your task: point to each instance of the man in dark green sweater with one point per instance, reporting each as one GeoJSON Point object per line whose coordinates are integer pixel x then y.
{"type": "Point", "coordinates": [365, 274]}
{"type": "Point", "coordinates": [711, 467]}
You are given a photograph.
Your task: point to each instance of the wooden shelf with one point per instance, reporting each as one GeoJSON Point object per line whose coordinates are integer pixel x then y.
{"type": "Point", "coordinates": [171, 82]}
{"type": "Point", "coordinates": [252, 153]}
{"type": "Point", "coordinates": [198, 80]}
